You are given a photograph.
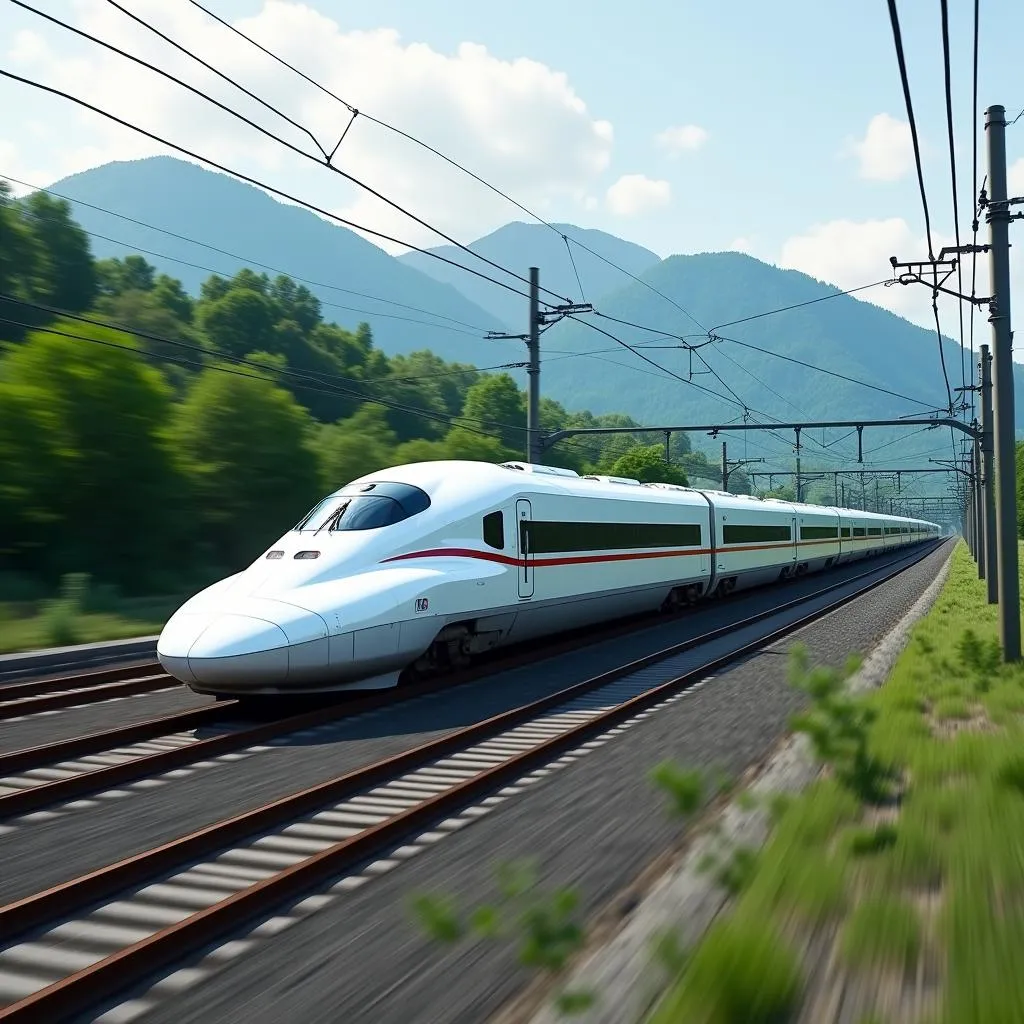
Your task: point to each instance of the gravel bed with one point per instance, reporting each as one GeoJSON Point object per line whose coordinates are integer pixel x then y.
{"type": "Point", "coordinates": [596, 824]}
{"type": "Point", "coordinates": [64, 723]}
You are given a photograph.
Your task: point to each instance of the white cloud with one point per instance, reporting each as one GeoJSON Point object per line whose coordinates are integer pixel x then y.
{"type": "Point", "coordinates": [886, 152]}
{"type": "Point", "coordinates": [502, 118]}
{"type": "Point", "coordinates": [1015, 178]}
{"type": "Point", "coordinates": [848, 254]}
{"type": "Point", "coordinates": [634, 194]}
{"type": "Point", "coordinates": [741, 244]}
{"type": "Point", "coordinates": [682, 138]}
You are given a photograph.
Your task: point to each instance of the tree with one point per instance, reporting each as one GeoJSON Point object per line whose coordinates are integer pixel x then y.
{"type": "Point", "coordinates": [239, 322]}
{"type": "Point", "coordinates": [648, 465]}
{"type": "Point", "coordinates": [496, 406]}
{"type": "Point", "coordinates": [24, 266]}
{"type": "Point", "coordinates": [72, 276]}
{"type": "Point", "coordinates": [352, 447]}
{"type": "Point", "coordinates": [296, 303]}
{"type": "Point", "coordinates": [133, 273]}
{"type": "Point", "coordinates": [243, 446]}
{"type": "Point", "coordinates": [86, 439]}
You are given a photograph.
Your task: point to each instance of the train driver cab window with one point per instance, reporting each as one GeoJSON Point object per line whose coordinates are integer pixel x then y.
{"type": "Point", "coordinates": [366, 506]}
{"type": "Point", "coordinates": [494, 530]}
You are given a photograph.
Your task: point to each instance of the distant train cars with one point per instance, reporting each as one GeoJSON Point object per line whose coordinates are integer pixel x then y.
{"type": "Point", "coordinates": [428, 564]}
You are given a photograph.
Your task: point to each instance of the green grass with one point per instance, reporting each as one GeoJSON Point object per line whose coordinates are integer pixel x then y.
{"type": "Point", "coordinates": [882, 931]}
{"type": "Point", "coordinates": [933, 867]}
{"type": "Point", "coordinates": [77, 614]}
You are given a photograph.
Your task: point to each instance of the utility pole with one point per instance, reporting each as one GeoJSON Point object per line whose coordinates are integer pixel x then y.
{"type": "Point", "coordinates": [978, 523]}
{"type": "Point", "coordinates": [988, 477]}
{"type": "Point", "coordinates": [534, 452]}
{"type": "Point", "coordinates": [728, 467]}
{"type": "Point", "coordinates": [998, 216]}
{"type": "Point", "coordinates": [799, 487]}
{"type": "Point", "coordinates": [534, 440]}
{"type": "Point", "coordinates": [878, 501]}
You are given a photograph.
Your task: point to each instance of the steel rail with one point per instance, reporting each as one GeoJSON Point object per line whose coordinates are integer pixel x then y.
{"type": "Point", "coordinates": [137, 961]}
{"type": "Point", "coordinates": [37, 797]}
{"type": "Point", "coordinates": [87, 688]}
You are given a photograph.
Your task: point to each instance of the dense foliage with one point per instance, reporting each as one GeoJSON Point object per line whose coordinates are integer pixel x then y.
{"type": "Point", "coordinates": [149, 437]}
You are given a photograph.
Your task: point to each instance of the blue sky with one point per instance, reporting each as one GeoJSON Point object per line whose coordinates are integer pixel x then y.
{"type": "Point", "coordinates": [783, 91]}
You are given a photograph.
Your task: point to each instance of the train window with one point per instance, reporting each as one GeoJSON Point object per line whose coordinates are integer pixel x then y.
{"type": "Point", "coordinates": [547, 538]}
{"type": "Point", "coordinates": [365, 507]}
{"type": "Point", "coordinates": [748, 534]}
{"type": "Point", "coordinates": [874, 531]}
{"type": "Point", "coordinates": [494, 530]}
{"type": "Point", "coordinates": [858, 531]}
{"type": "Point", "coordinates": [818, 532]}
{"type": "Point", "coordinates": [845, 531]}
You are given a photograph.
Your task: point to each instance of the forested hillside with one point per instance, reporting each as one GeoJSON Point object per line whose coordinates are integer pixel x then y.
{"type": "Point", "coordinates": [153, 439]}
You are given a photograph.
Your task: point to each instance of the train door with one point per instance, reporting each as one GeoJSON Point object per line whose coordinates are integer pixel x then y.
{"type": "Point", "coordinates": [796, 538]}
{"type": "Point", "coordinates": [524, 513]}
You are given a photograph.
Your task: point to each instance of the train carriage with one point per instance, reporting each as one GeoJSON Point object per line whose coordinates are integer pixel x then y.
{"type": "Point", "coordinates": [431, 563]}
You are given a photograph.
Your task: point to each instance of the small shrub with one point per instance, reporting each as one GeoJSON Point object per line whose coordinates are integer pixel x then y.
{"type": "Point", "coordinates": [684, 787]}
{"type": "Point", "coordinates": [838, 726]}
{"type": "Point", "coordinates": [980, 657]}
{"type": "Point", "coordinates": [58, 624]}
{"type": "Point", "coordinates": [1011, 773]}
{"type": "Point", "coordinates": [866, 841]}
{"type": "Point", "coordinates": [882, 931]}
{"type": "Point", "coordinates": [742, 973]}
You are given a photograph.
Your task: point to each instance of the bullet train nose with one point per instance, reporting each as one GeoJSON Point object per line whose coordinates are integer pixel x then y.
{"type": "Point", "coordinates": [244, 649]}
{"type": "Point", "coordinates": [226, 648]}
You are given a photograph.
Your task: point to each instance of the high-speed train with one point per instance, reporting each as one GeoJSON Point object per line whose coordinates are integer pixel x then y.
{"type": "Point", "coordinates": [428, 564]}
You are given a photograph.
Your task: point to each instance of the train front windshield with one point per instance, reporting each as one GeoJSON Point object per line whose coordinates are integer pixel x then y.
{"type": "Point", "coordinates": [356, 509]}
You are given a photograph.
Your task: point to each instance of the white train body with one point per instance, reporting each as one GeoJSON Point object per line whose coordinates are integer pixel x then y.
{"type": "Point", "coordinates": [444, 559]}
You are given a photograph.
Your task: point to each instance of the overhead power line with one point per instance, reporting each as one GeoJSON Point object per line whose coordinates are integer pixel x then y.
{"type": "Point", "coordinates": [830, 373]}
{"type": "Point", "coordinates": [357, 112]}
{"type": "Point", "coordinates": [898, 40]}
{"type": "Point", "coordinates": [326, 162]}
{"type": "Point", "coordinates": [253, 181]}
{"type": "Point", "coordinates": [337, 384]}
{"type": "Point", "coordinates": [323, 302]}
{"type": "Point", "coordinates": [245, 260]}
{"type": "Point", "coordinates": [952, 167]}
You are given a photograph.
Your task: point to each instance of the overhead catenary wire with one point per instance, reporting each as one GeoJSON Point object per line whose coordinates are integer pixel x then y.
{"type": "Point", "coordinates": [251, 180]}
{"type": "Point", "coordinates": [898, 41]}
{"type": "Point", "coordinates": [326, 163]}
{"type": "Point", "coordinates": [356, 112]}
{"type": "Point", "coordinates": [247, 261]}
{"type": "Point", "coordinates": [309, 156]}
{"type": "Point", "coordinates": [309, 386]}
{"type": "Point", "coordinates": [331, 305]}
{"type": "Point", "coordinates": [974, 195]}
{"type": "Point", "coordinates": [952, 167]}
{"type": "Point", "coordinates": [338, 384]}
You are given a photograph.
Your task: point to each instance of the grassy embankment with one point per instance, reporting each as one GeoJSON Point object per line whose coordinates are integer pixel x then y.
{"type": "Point", "coordinates": [77, 614]}
{"type": "Point", "coordinates": [899, 874]}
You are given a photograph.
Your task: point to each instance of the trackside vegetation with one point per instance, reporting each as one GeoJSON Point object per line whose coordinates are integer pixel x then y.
{"type": "Point", "coordinates": [155, 440]}
{"type": "Point", "coordinates": [891, 889]}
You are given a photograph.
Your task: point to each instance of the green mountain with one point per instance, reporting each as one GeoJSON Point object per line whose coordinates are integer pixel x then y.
{"type": "Point", "coordinates": [354, 279]}
{"type": "Point", "coordinates": [845, 335]}
{"type": "Point", "coordinates": [578, 264]}
{"type": "Point", "coordinates": [582, 368]}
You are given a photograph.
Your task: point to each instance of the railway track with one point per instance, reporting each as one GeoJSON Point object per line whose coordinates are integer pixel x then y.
{"type": "Point", "coordinates": [35, 778]}
{"type": "Point", "coordinates": [89, 939]}
{"type": "Point", "coordinates": [38, 695]}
